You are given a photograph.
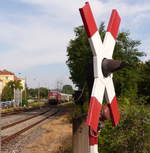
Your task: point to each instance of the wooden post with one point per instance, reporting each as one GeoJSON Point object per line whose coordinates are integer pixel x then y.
{"type": "Point", "coordinates": [80, 135]}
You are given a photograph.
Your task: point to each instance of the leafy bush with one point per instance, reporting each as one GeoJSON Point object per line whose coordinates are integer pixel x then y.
{"type": "Point", "coordinates": [79, 110]}
{"type": "Point", "coordinates": [131, 135]}
{"type": "Point", "coordinates": [24, 102]}
{"type": "Point", "coordinates": [143, 100]}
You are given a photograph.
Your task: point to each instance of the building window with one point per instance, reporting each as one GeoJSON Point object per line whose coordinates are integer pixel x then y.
{"type": "Point", "coordinates": [7, 78]}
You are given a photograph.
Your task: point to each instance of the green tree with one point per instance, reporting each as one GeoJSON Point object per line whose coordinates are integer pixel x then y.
{"type": "Point", "coordinates": [33, 92]}
{"type": "Point", "coordinates": [8, 91]}
{"type": "Point", "coordinates": [15, 84]}
{"type": "Point", "coordinates": [7, 94]}
{"type": "Point", "coordinates": [80, 61]}
{"type": "Point", "coordinates": [144, 82]}
{"type": "Point", "coordinates": [67, 89]}
{"type": "Point", "coordinates": [78, 51]}
{"type": "Point", "coordinates": [43, 92]}
{"type": "Point", "coordinates": [130, 136]}
{"type": "Point", "coordinates": [18, 85]}
{"type": "Point", "coordinates": [126, 80]}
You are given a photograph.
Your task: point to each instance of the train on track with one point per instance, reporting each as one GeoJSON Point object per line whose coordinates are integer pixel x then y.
{"type": "Point", "coordinates": [55, 97]}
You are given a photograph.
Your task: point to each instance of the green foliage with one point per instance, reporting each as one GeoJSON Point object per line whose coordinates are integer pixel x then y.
{"type": "Point", "coordinates": [79, 110]}
{"type": "Point", "coordinates": [80, 62]}
{"type": "Point", "coordinates": [33, 93]}
{"type": "Point", "coordinates": [126, 80]}
{"type": "Point", "coordinates": [144, 83]}
{"type": "Point", "coordinates": [24, 102]}
{"type": "Point", "coordinates": [79, 53]}
{"type": "Point", "coordinates": [80, 59]}
{"type": "Point", "coordinates": [67, 89]}
{"type": "Point", "coordinates": [24, 97]}
{"type": "Point", "coordinates": [37, 104]}
{"type": "Point", "coordinates": [131, 135]}
{"type": "Point", "coordinates": [8, 91]}
{"type": "Point", "coordinates": [43, 92]}
{"type": "Point", "coordinates": [17, 84]}
{"type": "Point", "coordinates": [7, 94]}
{"type": "Point", "coordinates": [132, 85]}
{"type": "Point", "coordinates": [14, 84]}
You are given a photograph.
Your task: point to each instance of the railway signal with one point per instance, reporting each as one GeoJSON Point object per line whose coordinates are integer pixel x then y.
{"type": "Point", "coordinates": [104, 66]}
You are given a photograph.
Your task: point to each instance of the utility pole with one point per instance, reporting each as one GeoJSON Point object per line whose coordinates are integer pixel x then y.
{"type": "Point", "coordinates": [39, 93]}
{"type": "Point", "coordinates": [57, 85]}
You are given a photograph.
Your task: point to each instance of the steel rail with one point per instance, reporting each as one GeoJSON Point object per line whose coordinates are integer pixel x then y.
{"type": "Point", "coordinates": [8, 138]}
{"type": "Point", "coordinates": [26, 119]}
{"type": "Point", "coordinates": [19, 111]}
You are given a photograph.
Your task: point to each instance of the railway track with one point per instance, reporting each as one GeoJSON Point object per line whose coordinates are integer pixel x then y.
{"type": "Point", "coordinates": [26, 119]}
{"type": "Point", "coordinates": [18, 112]}
{"type": "Point", "coordinates": [12, 136]}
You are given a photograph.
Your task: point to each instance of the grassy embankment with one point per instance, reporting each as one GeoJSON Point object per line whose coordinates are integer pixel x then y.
{"type": "Point", "coordinates": [30, 106]}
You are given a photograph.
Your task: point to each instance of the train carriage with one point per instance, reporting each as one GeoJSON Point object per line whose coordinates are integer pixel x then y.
{"type": "Point", "coordinates": [55, 97]}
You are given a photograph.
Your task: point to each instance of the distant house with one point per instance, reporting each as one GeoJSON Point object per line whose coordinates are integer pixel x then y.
{"type": "Point", "coordinates": [1, 86]}
{"type": "Point", "coordinates": [6, 76]}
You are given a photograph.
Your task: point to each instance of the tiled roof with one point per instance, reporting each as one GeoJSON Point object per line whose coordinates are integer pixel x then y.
{"type": "Point", "coordinates": [5, 72]}
{"type": "Point", "coordinates": [16, 78]}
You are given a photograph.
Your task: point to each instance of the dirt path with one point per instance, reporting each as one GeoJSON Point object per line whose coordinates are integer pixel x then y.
{"type": "Point", "coordinates": [56, 139]}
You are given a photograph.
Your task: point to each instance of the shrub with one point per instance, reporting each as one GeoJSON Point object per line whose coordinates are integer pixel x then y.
{"type": "Point", "coordinates": [131, 135]}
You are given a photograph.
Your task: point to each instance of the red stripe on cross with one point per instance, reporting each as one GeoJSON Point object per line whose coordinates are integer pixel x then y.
{"type": "Point", "coordinates": [88, 20]}
{"type": "Point", "coordinates": [93, 113]}
{"type": "Point", "coordinates": [114, 111]}
{"type": "Point", "coordinates": [93, 140]}
{"type": "Point", "coordinates": [114, 23]}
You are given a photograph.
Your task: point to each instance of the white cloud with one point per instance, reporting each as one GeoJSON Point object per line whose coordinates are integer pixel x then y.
{"type": "Point", "coordinates": [38, 39]}
{"type": "Point", "coordinates": [146, 48]}
{"type": "Point", "coordinates": [44, 37]}
{"type": "Point", "coordinates": [33, 44]}
{"type": "Point", "coordinates": [67, 10]}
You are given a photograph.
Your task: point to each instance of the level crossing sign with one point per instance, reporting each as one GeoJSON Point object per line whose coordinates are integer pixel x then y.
{"type": "Point", "coordinates": [103, 68]}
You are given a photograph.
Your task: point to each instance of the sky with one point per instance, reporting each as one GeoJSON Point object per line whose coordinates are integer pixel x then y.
{"type": "Point", "coordinates": [34, 34]}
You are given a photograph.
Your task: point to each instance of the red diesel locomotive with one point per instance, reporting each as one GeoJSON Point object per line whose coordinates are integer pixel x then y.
{"type": "Point", "coordinates": [54, 97]}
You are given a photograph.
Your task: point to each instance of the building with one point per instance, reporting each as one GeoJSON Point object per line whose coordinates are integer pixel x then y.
{"type": "Point", "coordinates": [1, 87]}
{"type": "Point", "coordinates": [6, 76]}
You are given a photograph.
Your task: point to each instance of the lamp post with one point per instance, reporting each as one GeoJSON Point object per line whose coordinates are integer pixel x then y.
{"type": "Point", "coordinates": [39, 93]}
{"type": "Point", "coordinates": [59, 85]}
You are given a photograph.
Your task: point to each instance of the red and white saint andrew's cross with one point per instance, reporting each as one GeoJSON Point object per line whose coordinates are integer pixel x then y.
{"type": "Point", "coordinates": [102, 85]}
